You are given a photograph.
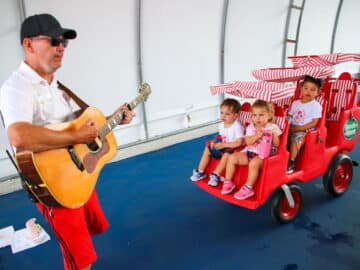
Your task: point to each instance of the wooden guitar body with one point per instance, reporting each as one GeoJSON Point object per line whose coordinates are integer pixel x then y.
{"type": "Point", "coordinates": [67, 176]}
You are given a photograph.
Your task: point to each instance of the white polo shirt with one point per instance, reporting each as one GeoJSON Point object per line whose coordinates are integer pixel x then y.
{"type": "Point", "coordinates": [26, 97]}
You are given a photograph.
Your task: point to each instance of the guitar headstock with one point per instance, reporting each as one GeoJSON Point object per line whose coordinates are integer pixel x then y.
{"type": "Point", "coordinates": [144, 91]}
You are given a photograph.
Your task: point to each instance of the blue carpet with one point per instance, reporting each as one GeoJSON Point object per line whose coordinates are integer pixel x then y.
{"type": "Point", "coordinates": [160, 220]}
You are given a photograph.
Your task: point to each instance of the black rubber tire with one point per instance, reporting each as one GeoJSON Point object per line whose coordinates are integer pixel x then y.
{"type": "Point", "coordinates": [280, 208]}
{"type": "Point", "coordinates": [338, 176]}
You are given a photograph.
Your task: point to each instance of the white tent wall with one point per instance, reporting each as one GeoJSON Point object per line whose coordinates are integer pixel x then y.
{"type": "Point", "coordinates": [317, 26]}
{"type": "Point", "coordinates": [11, 51]}
{"type": "Point", "coordinates": [254, 37]}
{"type": "Point", "coordinates": [347, 35]}
{"type": "Point", "coordinates": [179, 49]}
{"type": "Point", "coordinates": [10, 57]}
{"type": "Point", "coordinates": [100, 64]}
{"type": "Point", "coordinates": [180, 59]}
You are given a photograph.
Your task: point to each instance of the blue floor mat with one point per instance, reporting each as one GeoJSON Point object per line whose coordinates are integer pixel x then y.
{"type": "Point", "coordinates": [160, 220]}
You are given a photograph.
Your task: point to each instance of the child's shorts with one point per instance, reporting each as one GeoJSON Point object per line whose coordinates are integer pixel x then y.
{"type": "Point", "coordinates": [217, 153]}
{"type": "Point", "coordinates": [298, 138]}
{"type": "Point", "coordinates": [250, 155]}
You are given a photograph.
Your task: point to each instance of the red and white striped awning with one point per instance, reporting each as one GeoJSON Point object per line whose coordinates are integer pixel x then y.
{"type": "Point", "coordinates": [268, 91]}
{"type": "Point", "coordinates": [292, 74]}
{"type": "Point", "coordinates": [323, 59]}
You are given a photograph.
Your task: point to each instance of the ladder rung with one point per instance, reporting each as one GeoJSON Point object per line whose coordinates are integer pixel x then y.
{"type": "Point", "coordinates": [296, 7]}
{"type": "Point", "coordinates": [290, 40]}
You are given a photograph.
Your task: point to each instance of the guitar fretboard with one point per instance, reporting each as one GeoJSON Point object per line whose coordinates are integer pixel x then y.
{"type": "Point", "coordinates": [113, 121]}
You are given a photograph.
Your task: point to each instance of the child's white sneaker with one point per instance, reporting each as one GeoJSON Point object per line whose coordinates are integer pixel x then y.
{"type": "Point", "coordinates": [214, 180]}
{"type": "Point", "coordinates": [197, 176]}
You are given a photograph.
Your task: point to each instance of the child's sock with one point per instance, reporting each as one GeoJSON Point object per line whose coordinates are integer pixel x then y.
{"type": "Point", "coordinates": [248, 186]}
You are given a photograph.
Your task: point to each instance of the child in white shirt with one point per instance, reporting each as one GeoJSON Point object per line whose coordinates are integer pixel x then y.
{"type": "Point", "coordinates": [305, 114]}
{"type": "Point", "coordinates": [230, 136]}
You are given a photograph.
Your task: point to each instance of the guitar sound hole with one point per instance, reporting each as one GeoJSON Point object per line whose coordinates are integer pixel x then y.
{"type": "Point", "coordinates": [93, 146]}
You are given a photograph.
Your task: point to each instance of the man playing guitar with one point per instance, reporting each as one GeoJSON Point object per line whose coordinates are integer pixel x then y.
{"type": "Point", "coordinates": [30, 99]}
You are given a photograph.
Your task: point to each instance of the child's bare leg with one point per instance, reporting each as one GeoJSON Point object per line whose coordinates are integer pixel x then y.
{"type": "Point", "coordinates": [222, 164]}
{"type": "Point", "coordinates": [205, 158]}
{"type": "Point", "coordinates": [238, 158]}
{"type": "Point", "coordinates": [254, 167]}
{"type": "Point", "coordinates": [247, 191]}
{"type": "Point", "coordinates": [293, 150]}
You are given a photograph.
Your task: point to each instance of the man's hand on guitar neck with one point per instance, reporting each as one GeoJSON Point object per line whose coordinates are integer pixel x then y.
{"type": "Point", "coordinates": [128, 114]}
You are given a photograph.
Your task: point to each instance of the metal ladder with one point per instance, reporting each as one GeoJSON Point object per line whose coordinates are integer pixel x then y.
{"type": "Point", "coordinates": [287, 40]}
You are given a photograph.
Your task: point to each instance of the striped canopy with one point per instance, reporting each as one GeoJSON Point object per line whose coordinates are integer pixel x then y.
{"type": "Point", "coordinates": [268, 91]}
{"type": "Point", "coordinates": [323, 59]}
{"type": "Point", "coordinates": [292, 74]}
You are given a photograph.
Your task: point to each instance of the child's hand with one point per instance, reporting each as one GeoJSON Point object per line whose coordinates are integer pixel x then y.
{"type": "Point", "coordinates": [259, 133]}
{"type": "Point", "coordinates": [219, 145]}
{"type": "Point", "coordinates": [273, 131]}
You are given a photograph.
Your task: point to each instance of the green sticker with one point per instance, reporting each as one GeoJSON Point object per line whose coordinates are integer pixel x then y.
{"type": "Point", "coordinates": [351, 128]}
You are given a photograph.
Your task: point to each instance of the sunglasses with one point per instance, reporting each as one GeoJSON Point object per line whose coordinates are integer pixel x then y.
{"type": "Point", "coordinates": [55, 41]}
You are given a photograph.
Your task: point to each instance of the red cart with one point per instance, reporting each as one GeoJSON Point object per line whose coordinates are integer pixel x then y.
{"type": "Point", "coordinates": [325, 152]}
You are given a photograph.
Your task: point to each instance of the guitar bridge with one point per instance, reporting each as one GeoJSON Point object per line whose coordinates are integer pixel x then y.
{"type": "Point", "coordinates": [75, 158]}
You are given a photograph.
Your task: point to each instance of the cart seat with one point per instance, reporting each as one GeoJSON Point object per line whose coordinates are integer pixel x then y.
{"type": "Point", "coordinates": [342, 96]}
{"type": "Point", "coordinates": [245, 115]}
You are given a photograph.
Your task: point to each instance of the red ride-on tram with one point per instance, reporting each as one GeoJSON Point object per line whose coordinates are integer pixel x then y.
{"type": "Point", "coordinates": [325, 152]}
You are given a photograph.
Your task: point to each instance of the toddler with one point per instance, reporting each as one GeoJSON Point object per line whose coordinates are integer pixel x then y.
{"type": "Point", "coordinates": [304, 114]}
{"type": "Point", "coordinates": [230, 137]}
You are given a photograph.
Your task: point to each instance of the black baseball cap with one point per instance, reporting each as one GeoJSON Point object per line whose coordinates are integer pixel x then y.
{"type": "Point", "coordinates": [44, 24]}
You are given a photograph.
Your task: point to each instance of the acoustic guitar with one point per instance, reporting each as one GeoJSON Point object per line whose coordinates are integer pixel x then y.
{"type": "Point", "coordinates": [67, 176]}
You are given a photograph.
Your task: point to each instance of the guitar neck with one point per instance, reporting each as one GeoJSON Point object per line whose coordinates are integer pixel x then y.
{"type": "Point", "coordinates": [113, 121]}
{"type": "Point", "coordinates": [110, 124]}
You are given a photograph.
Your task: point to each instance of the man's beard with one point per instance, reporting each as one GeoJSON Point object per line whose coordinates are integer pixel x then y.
{"type": "Point", "coordinates": [48, 68]}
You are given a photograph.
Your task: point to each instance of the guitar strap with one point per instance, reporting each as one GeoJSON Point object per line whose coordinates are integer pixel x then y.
{"type": "Point", "coordinates": [83, 105]}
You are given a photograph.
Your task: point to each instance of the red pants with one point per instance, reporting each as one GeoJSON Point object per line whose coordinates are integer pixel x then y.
{"type": "Point", "coordinates": [73, 228]}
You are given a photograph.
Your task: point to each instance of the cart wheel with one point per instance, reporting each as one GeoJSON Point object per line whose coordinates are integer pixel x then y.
{"type": "Point", "coordinates": [280, 208]}
{"type": "Point", "coordinates": [338, 177]}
